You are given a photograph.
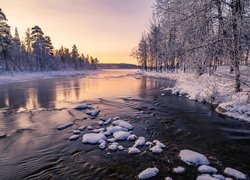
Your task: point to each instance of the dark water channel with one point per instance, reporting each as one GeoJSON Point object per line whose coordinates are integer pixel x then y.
{"type": "Point", "coordinates": [32, 148]}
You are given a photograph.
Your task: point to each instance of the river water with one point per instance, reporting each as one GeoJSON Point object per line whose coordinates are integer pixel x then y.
{"type": "Point", "coordinates": [32, 148]}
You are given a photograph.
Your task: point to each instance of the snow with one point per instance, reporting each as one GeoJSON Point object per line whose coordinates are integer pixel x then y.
{"type": "Point", "coordinates": [159, 143]}
{"type": "Point", "coordinates": [30, 76]}
{"type": "Point", "coordinates": [207, 169]}
{"type": "Point", "coordinates": [82, 106]}
{"type": "Point", "coordinates": [93, 113]}
{"type": "Point", "coordinates": [133, 150]}
{"type": "Point", "coordinates": [191, 157]}
{"type": "Point", "coordinates": [234, 173]}
{"type": "Point", "coordinates": [77, 132]}
{"type": "Point", "coordinates": [156, 149]}
{"type": "Point", "coordinates": [123, 124]}
{"type": "Point", "coordinates": [81, 128]}
{"type": "Point", "coordinates": [93, 138]}
{"type": "Point", "coordinates": [98, 130]}
{"type": "Point", "coordinates": [121, 135]}
{"type": "Point", "coordinates": [112, 129]}
{"type": "Point", "coordinates": [111, 140]}
{"type": "Point", "coordinates": [100, 123]}
{"type": "Point", "coordinates": [140, 142]}
{"type": "Point", "coordinates": [215, 89]}
{"type": "Point", "coordinates": [113, 147]}
{"type": "Point", "coordinates": [64, 126]}
{"type": "Point", "coordinates": [132, 137]}
{"type": "Point", "coordinates": [219, 176]}
{"type": "Point", "coordinates": [206, 177]}
{"type": "Point", "coordinates": [74, 137]}
{"type": "Point", "coordinates": [120, 147]}
{"type": "Point", "coordinates": [168, 178]}
{"type": "Point", "coordinates": [102, 145]}
{"type": "Point", "coordinates": [148, 173]}
{"type": "Point", "coordinates": [179, 170]}
{"type": "Point", "coordinates": [149, 143]}
{"type": "Point", "coordinates": [90, 128]}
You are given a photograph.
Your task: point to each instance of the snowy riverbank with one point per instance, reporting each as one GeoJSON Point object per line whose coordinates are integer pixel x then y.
{"type": "Point", "coordinates": [216, 89]}
{"type": "Point", "coordinates": [29, 76]}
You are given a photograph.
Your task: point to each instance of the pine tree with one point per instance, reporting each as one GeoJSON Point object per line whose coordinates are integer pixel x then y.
{"type": "Point", "coordinates": [28, 41]}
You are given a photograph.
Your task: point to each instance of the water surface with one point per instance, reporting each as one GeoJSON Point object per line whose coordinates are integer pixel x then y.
{"type": "Point", "coordinates": [32, 148]}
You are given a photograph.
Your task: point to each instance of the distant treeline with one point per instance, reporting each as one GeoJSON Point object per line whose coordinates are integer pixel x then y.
{"type": "Point", "coordinates": [117, 66]}
{"type": "Point", "coordinates": [197, 35]}
{"type": "Point", "coordinates": [36, 52]}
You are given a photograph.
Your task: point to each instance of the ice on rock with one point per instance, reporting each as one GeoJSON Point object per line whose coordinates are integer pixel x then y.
{"type": "Point", "coordinates": [140, 142]}
{"type": "Point", "coordinates": [94, 112]}
{"type": "Point", "coordinates": [219, 176]}
{"type": "Point", "coordinates": [156, 149]}
{"type": "Point", "coordinates": [133, 150]}
{"type": "Point", "coordinates": [81, 128]}
{"type": "Point", "coordinates": [121, 135]}
{"type": "Point", "coordinates": [93, 138]}
{"type": "Point", "coordinates": [90, 128]}
{"type": "Point", "coordinates": [98, 130]}
{"type": "Point", "coordinates": [179, 170]}
{"type": "Point", "coordinates": [234, 173]}
{"type": "Point", "coordinates": [207, 169]}
{"type": "Point", "coordinates": [113, 129]}
{"type": "Point", "coordinates": [82, 106]}
{"type": "Point", "coordinates": [148, 173]}
{"type": "Point", "coordinates": [64, 126]}
{"type": "Point", "coordinates": [206, 177]}
{"type": "Point", "coordinates": [74, 137]}
{"type": "Point", "coordinates": [120, 147]}
{"type": "Point", "coordinates": [194, 158]}
{"type": "Point", "coordinates": [111, 140]}
{"type": "Point", "coordinates": [132, 137]}
{"type": "Point", "coordinates": [102, 145]}
{"type": "Point", "coordinates": [159, 143]}
{"type": "Point", "coordinates": [76, 132]}
{"type": "Point", "coordinates": [113, 147]}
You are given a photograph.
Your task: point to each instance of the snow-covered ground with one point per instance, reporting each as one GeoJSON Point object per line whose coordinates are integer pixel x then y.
{"type": "Point", "coordinates": [217, 89]}
{"type": "Point", "coordinates": [29, 76]}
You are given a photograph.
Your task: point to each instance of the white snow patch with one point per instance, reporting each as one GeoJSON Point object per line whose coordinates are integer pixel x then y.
{"type": "Point", "coordinates": [191, 157]}
{"type": "Point", "coordinates": [98, 130]}
{"type": "Point", "coordinates": [168, 178]}
{"type": "Point", "coordinates": [123, 124]}
{"type": "Point", "coordinates": [132, 137]}
{"type": "Point", "coordinates": [156, 149]}
{"type": "Point", "coordinates": [111, 140]}
{"type": "Point", "coordinates": [120, 147]}
{"type": "Point", "coordinates": [149, 143]}
{"type": "Point", "coordinates": [133, 150]}
{"type": "Point", "coordinates": [234, 173]}
{"type": "Point", "coordinates": [207, 169]}
{"type": "Point", "coordinates": [179, 170]}
{"type": "Point", "coordinates": [93, 138]}
{"type": "Point", "coordinates": [206, 177]}
{"type": "Point", "coordinates": [64, 126]}
{"type": "Point", "coordinates": [157, 142]}
{"type": "Point", "coordinates": [81, 128]}
{"type": "Point", "coordinates": [148, 173]}
{"type": "Point", "coordinates": [113, 147]}
{"type": "Point", "coordinates": [140, 142]}
{"type": "Point", "coordinates": [76, 132]}
{"type": "Point", "coordinates": [102, 145]}
{"type": "Point", "coordinates": [74, 137]}
{"type": "Point", "coordinates": [121, 135]}
{"type": "Point", "coordinates": [112, 129]}
{"type": "Point", "coordinates": [219, 176]}
{"type": "Point", "coordinates": [90, 128]}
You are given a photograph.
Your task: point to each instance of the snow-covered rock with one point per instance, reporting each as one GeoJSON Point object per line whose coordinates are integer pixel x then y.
{"type": "Point", "coordinates": [112, 129]}
{"type": "Point", "coordinates": [113, 147]}
{"type": "Point", "coordinates": [94, 112]}
{"type": "Point", "coordinates": [116, 118]}
{"type": "Point", "coordinates": [100, 123]}
{"type": "Point", "coordinates": [234, 173]}
{"type": "Point", "coordinates": [168, 178]}
{"type": "Point", "coordinates": [191, 157]}
{"type": "Point", "coordinates": [206, 177]}
{"type": "Point", "coordinates": [123, 124]}
{"type": "Point", "coordinates": [140, 142]}
{"type": "Point", "coordinates": [64, 126]}
{"type": "Point", "coordinates": [90, 127]}
{"type": "Point", "coordinates": [133, 150]}
{"type": "Point", "coordinates": [82, 128]}
{"type": "Point", "coordinates": [93, 138]}
{"type": "Point", "coordinates": [156, 149]}
{"type": "Point", "coordinates": [159, 143]}
{"type": "Point", "coordinates": [207, 169]}
{"type": "Point", "coordinates": [149, 143]}
{"type": "Point", "coordinates": [102, 145]}
{"type": "Point", "coordinates": [120, 147]}
{"type": "Point", "coordinates": [148, 173]}
{"type": "Point", "coordinates": [132, 137]}
{"type": "Point", "coordinates": [74, 137]}
{"type": "Point", "coordinates": [111, 140]}
{"type": "Point", "coordinates": [82, 106]}
{"type": "Point", "coordinates": [121, 135]}
{"type": "Point", "coordinates": [179, 170]}
{"type": "Point", "coordinates": [98, 130]}
{"type": "Point", "coordinates": [76, 132]}
{"type": "Point", "coordinates": [219, 176]}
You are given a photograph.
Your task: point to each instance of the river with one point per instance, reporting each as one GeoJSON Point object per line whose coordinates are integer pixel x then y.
{"type": "Point", "coordinates": [32, 148]}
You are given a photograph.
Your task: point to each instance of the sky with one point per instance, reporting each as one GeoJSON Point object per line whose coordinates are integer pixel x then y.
{"type": "Point", "coordinates": [107, 29]}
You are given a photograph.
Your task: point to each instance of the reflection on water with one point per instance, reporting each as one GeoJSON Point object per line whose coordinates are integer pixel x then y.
{"type": "Point", "coordinates": [32, 148]}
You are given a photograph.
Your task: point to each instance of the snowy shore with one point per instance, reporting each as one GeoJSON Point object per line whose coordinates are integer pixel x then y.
{"type": "Point", "coordinates": [29, 76]}
{"type": "Point", "coordinates": [217, 89]}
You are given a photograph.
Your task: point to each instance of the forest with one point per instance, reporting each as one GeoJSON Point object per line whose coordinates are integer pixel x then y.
{"type": "Point", "coordinates": [197, 35]}
{"type": "Point", "coordinates": [36, 52]}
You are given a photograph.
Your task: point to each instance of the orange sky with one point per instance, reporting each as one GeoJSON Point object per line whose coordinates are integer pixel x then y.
{"type": "Point", "coordinates": [107, 29]}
